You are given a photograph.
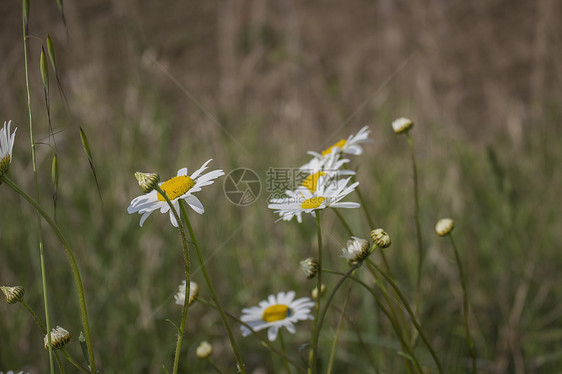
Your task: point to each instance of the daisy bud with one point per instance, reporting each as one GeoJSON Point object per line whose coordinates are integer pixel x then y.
{"type": "Point", "coordinates": [6, 146]}
{"type": "Point", "coordinates": [444, 226]}
{"type": "Point", "coordinates": [204, 349]}
{"type": "Point", "coordinates": [401, 125]}
{"type": "Point", "coordinates": [315, 291]}
{"type": "Point", "coordinates": [13, 294]}
{"type": "Point", "coordinates": [59, 338]}
{"type": "Point", "coordinates": [147, 181]}
{"type": "Point", "coordinates": [309, 267]}
{"type": "Point", "coordinates": [357, 249]}
{"type": "Point", "coordinates": [5, 164]}
{"type": "Point", "coordinates": [380, 238]}
{"type": "Point", "coordinates": [193, 292]}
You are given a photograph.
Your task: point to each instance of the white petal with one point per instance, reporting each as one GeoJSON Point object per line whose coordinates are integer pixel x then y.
{"type": "Point", "coordinates": [182, 171]}
{"type": "Point", "coordinates": [272, 333]}
{"type": "Point", "coordinates": [201, 169]}
{"type": "Point", "coordinates": [345, 205]}
{"type": "Point", "coordinates": [290, 327]}
{"type": "Point", "coordinates": [195, 204]}
{"type": "Point", "coordinates": [173, 219]}
{"type": "Point", "coordinates": [144, 217]}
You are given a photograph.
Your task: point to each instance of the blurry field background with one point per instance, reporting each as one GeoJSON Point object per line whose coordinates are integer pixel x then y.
{"type": "Point", "coordinates": [159, 85]}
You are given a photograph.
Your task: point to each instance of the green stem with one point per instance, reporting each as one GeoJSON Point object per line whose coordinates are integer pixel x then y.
{"type": "Point", "coordinates": [364, 206]}
{"type": "Point", "coordinates": [465, 305]}
{"type": "Point", "coordinates": [412, 315]}
{"type": "Point", "coordinates": [360, 340]}
{"type": "Point", "coordinates": [314, 338]}
{"type": "Point", "coordinates": [34, 161]}
{"type": "Point", "coordinates": [260, 336]}
{"type": "Point", "coordinates": [219, 371]}
{"type": "Point", "coordinates": [417, 218]}
{"type": "Point", "coordinates": [187, 278]}
{"type": "Point", "coordinates": [371, 223]}
{"type": "Point", "coordinates": [388, 315]}
{"type": "Point", "coordinates": [212, 289]}
{"type": "Point", "coordinates": [73, 265]}
{"type": "Point", "coordinates": [73, 362]}
{"type": "Point", "coordinates": [343, 221]}
{"type": "Point", "coordinates": [34, 316]}
{"type": "Point", "coordinates": [68, 357]}
{"type": "Point", "coordinates": [331, 297]}
{"type": "Point", "coordinates": [338, 329]}
{"type": "Point", "coordinates": [285, 362]}
{"type": "Point", "coordinates": [398, 315]}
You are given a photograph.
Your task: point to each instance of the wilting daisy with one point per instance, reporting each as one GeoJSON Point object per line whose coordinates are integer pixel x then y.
{"type": "Point", "coordinates": [59, 338]}
{"type": "Point", "coordinates": [356, 249]}
{"type": "Point", "coordinates": [179, 187]}
{"type": "Point", "coordinates": [351, 145]}
{"type": "Point", "coordinates": [6, 145]}
{"type": "Point", "coordinates": [193, 292]}
{"type": "Point", "coordinates": [276, 312]}
{"type": "Point", "coordinates": [328, 193]}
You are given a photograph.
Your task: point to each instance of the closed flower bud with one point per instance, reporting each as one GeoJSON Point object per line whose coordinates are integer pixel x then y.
{"type": "Point", "coordinates": [59, 338]}
{"type": "Point", "coordinates": [401, 125]}
{"type": "Point", "coordinates": [13, 294]}
{"type": "Point", "coordinates": [380, 238]}
{"type": "Point", "coordinates": [357, 249]}
{"type": "Point", "coordinates": [147, 181]}
{"type": "Point", "coordinates": [315, 291]}
{"type": "Point", "coordinates": [444, 226]}
{"type": "Point", "coordinates": [204, 349]}
{"type": "Point", "coordinates": [309, 267]}
{"type": "Point", "coordinates": [193, 292]}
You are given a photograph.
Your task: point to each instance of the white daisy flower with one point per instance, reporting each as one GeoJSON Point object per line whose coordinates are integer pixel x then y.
{"type": "Point", "coordinates": [328, 194]}
{"type": "Point", "coordinates": [6, 146]}
{"type": "Point", "coordinates": [179, 187]}
{"type": "Point", "coordinates": [351, 145]}
{"type": "Point", "coordinates": [356, 250]}
{"type": "Point", "coordinates": [193, 292]}
{"type": "Point", "coordinates": [331, 162]}
{"type": "Point", "coordinates": [13, 372]}
{"type": "Point", "coordinates": [276, 312]}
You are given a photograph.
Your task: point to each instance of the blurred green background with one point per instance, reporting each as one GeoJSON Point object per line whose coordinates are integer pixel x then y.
{"type": "Point", "coordinates": [161, 85]}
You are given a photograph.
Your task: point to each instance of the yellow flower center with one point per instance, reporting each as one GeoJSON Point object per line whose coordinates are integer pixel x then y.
{"type": "Point", "coordinates": [276, 312]}
{"type": "Point", "coordinates": [311, 182]}
{"type": "Point", "coordinates": [313, 202]}
{"type": "Point", "coordinates": [339, 144]}
{"type": "Point", "coordinates": [175, 187]}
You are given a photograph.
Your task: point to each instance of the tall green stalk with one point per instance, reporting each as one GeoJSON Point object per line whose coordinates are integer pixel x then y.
{"type": "Point", "coordinates": [187, 279]}
{"type": "Point", "coordinates": [285, 362]}
{"type": "Point", "coordinates": [312, 354]}
{"type": "Point", "coordinates": [396, 312]}
{"type": "Point", "coordinates": [338, 329]}
{"type": "Point", "coordinates": [417, 219]}
{"type": "Point", "coordinates": [25, 16]}
{"type": "Point", "coordinates": [465, 306]}
{"type": "Point", "coordinates": [371, 224]}
{"type": "Point", "coordinates": [212, 289]}
{"type": "Point", "coordinates": [73, 265]}
{"type": "Point", "coordinates": [411, 313]}
{"type": "Point", "coordinates": [385, 311]}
